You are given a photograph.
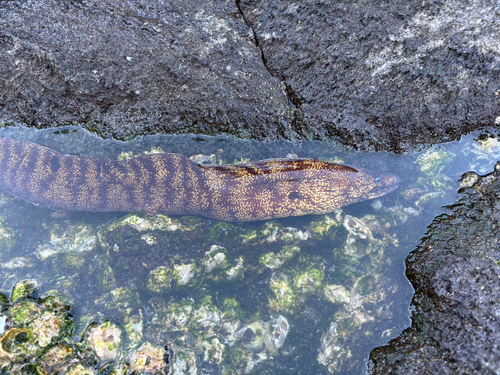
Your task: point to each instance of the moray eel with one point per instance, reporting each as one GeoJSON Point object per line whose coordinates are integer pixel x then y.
{"type": "Point", "coordinates": [172, 184]}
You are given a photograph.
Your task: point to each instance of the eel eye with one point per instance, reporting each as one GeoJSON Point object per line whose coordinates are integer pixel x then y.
{"type": "Point", "coordinates": [378, 180]}
{"type": "Point", "coordinates": [294, 195]}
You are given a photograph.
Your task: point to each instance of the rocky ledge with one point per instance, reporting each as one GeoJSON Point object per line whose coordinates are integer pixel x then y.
{"type": "Point", "coordinates": [374, 76]}
{"type": "Point", "coordinates": [456, 307]}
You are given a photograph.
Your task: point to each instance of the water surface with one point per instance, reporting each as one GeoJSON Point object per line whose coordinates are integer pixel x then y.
{"type": "Point", "coordinates": [312, 294]}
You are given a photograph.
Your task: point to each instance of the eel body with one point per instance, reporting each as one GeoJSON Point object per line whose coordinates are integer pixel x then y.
{"type": "Point", "coordinates": [173, 184]}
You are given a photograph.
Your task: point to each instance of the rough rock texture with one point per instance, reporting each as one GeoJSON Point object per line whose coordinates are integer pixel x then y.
{"type": "Point", "coordinates": [376, 75]}
{"type": "Point", "coordinates": [456, 307]}
{"type": "Point", "coordinates": [384, 75]}
{"type": "Point", "coordinates": [127, 68]}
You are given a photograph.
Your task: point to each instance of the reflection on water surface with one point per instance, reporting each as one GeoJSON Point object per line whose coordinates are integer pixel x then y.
{"type": "Point", "coordinates": [311, 294]}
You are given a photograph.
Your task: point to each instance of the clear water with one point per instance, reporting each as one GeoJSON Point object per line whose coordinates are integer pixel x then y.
{"type": "Point", "coordinates": [312, 294]}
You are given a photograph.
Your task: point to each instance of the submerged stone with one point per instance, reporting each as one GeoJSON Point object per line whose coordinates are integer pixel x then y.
{"type": "Point", "coordinates": [65, 238]}
{"type": "Point", "coordinates": [105, 340]}
{"type": "Point", "coordinates": [26, 288]}
{"type": "Point", "coordinates": [149, 358]}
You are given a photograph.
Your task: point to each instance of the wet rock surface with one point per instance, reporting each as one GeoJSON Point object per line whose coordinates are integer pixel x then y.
{"type": "Point", "coordinates": [375, 77]}
{"type": "Point", "coordinates": [384, 75]}
{"type": "Point", "coordinates": [129, 68]}
{"type": "Point", "coordinates": [456, 276]}
{"type": "Point", "coordinates": [37, 338]}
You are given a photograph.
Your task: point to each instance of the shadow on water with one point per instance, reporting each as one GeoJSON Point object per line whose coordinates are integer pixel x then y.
{"type": "Point", "coordinates": [312, 294]}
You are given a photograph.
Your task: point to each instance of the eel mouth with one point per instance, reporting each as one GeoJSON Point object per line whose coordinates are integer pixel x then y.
{"type": "Point", "coordinates": [389, 184]}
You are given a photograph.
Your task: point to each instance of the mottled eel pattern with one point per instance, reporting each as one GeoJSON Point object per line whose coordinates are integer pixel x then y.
{"type": "Point", "coordinates": [173, 184]}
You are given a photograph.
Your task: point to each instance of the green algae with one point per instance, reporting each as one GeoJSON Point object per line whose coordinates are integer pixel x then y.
{"type": "Point", "coordinates": [274, 261]}
{"type": "Point", "coordinates": [160, 279]}
{"type": "Point", "coordinates": [41, 331]}
{"type": "Point", "coordinates": [309, 280]}
{"type": "Point", "coordinates": [66, 237]}
{"type": "Point", "coordinates": [24, 289]}
{"type": "Point", "coordinates": [224, 332]}
{"type": "Point", "coordinates": [213, 291]}
{"type": "Point", "coordinates": [283, 296]}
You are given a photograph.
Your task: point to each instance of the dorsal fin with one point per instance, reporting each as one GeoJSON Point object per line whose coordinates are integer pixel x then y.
{"type": "Point", "coordinates": [268, 166]}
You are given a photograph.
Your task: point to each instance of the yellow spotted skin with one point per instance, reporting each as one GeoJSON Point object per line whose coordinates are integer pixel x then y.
{"type": "Point", "coordinates": [174, 185]}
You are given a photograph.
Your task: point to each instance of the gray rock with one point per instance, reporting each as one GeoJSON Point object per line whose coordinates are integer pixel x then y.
{"type": "Point", "coordinates": [375, 76]}
{"type": "Point", "coordinates": [128, 68]}
{"type": "Point", "coordinates": [456, 307]}
{"type": "Point", "coordinates": [384, 75]}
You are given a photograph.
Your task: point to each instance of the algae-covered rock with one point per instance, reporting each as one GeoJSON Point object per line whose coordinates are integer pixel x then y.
{"type": "Point", "coordinates": [185, 273]}
{"type": "Point", "coordinates": [184, 362]}
{"type": "Point", "coordinates": [133, 324]}
{"type": "Point", "coordinates": [149, 358]}
{"type": "Point", "coordinates": [25, 288]}
{"type": "Point", "coordinates": [105, 340]}
{"type": "Point", "coordinates": [283, 296]}
{"type": "Point", "coordinates": [147, 222]}
{"type": "Point", "coordinates": [160, 279]}
{"type": "Point", "coordinates": [50, 325]}
{"type": "Point", "coordinates": [205, 315]}
{"type": "Point", "coordinates": [274, 261]}
{"type": "Point", "coordinates": [39, 339]}
{"type": "Point", "coordinates": [432, 164]}
{"type": "Point", "coordinates": [215, 258]}
{"type": "Point", "coordinates": [308, 280]}
{"type": "Point", "coordinates": [325, 225]}
{"type": "Point", "coordinates": [34, 325]}
{"type": "Point", "coordinates": [66, 237]}
{"type": "Point", "coordinates": [218, 333]}
{"type": "Point", "coordinates": [222, 265]}
{"type": "Point", "coordinates": [254, 346]}
{"type": "Point", "coordinates": [336, 294]}
{"type": "Point", "coordinates": [122, 298]}
{"type": "Point", "coordinates": [487, 151]}
{"type": "Point", "coordinates": [433, 161]}
{"type": "Point", "coordinates": [332, 352]}
{"type": "Point", "coordinates": [273, 231]}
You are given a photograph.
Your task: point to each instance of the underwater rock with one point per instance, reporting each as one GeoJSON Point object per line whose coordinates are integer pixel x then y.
{"type": "Point", "coordinates": [215, 258]}
{"type": "Point", "coordinates": [309, 280]}
{"type": "Point", "coordinates": [145, 222]}
{"type": "Point", "coordinates": [39, 330]}
{"type": "Point", "coordinates": [283, 296]}
{"type": "Point", "coordinates": [18, 262]}
{"type": "Point", "coordinates": [274, 261]}
{"type": "Point", "coordinates": [65, 238]}
{"type": "Point", "coordinates": [432, 163]}
{"type": "Point", "coordinates": [183, 274]}
{"type": "Point", "coordinates": [160, 279]}
{"type": "Point", "coordinates": [25, 288]}
{"type": "Point", "coordinates": [150, 359]}
{"type": "Point", "coordinates": [104, 339]}
{"type": "Point", "coordinates": [337, 294]}
{"type": "Point", "coordinates": [39, 337]}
